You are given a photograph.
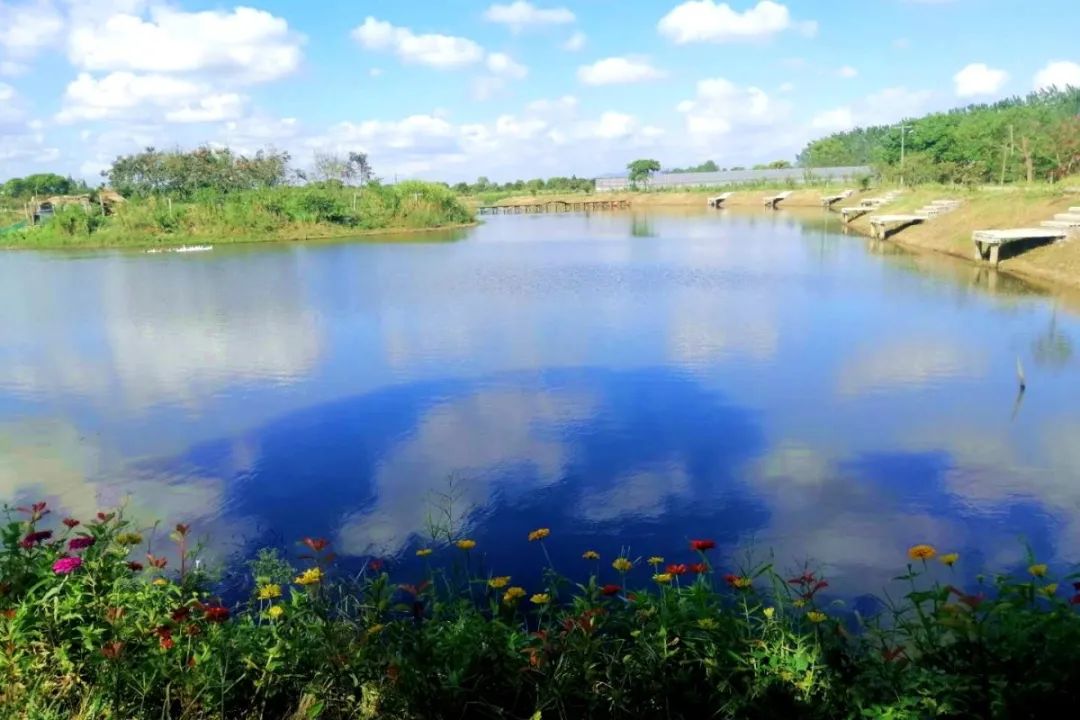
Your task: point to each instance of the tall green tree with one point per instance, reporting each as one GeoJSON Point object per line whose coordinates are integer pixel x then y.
{"type": "Point", "coordinates": [642, 170]}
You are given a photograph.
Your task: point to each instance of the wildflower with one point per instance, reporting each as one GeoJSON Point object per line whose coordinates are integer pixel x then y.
{"type": "Point", "coordinates": [70, 522]}
{"type": "Point", "coordinates": [112, 650]}
{"type": "Point", "coordinates": [135, 566]}
{"type": "Point", "coordinates": [816, 616]}
{"type": "Point", "coordinates": [36, 511]}
{"type": "Point", "coordinates": [539, 534]}
{"type": "Point", "coordinates": [679, 569]}
{"type": "Point", "coordinates": [590, 555]}
{"type": "Point", "coordinates": [424, 552]}
{"type": "Point", "coordinates": [80, 543]}
{"type": "Point", "coordinates": [513, 594]}
{"type": "Point", "coordinates": [465, 544]}
{"type": "Point", "coordinates": [316, 544]}
{"type": "Point", "coordinates": [740, 582]}
{"type": "Point", "coordinates": [699, 568]}
{"type": "Point", "coordinates": [972, 601]}
{"type": "Point", "coordinates": [66, 565]}
{"type": "Point", "coordinates": [156, 562]}
{"type": "Point", "coordinates": [215, 613]}
{"type": "Point", "coordinates": [311, 576]}
{"type": "Point", "coordinates": [805, 579]}
{"type": "Point", "coordinates": [160, 582]}
{"type": "Point", "coordinates": [375, 629]}
{"type": "Point", "coordinates": [768, 613]}
{"type": "Point", "coordinates": [165, 638]}
{"type": "Point", "coordinates": [275, 612]}
{"type": "Point", "coordinates": [707, 624]}
{"type": "Point", "coordinates": [540, 599]}
{"type": "Point", "coordinates": [921, 552]}
{"type": "Point", "coordinates": [949, 558]}
{"type": "Point", "coordinates": [798, 602]}
{"type": "Point", "coordinates": [269, 592]}
{"type": "Point", "coordinates": [1049, 590]}
{"type": "Point", "coordinates": [656, 561]}
{"type": "Point", "coordinates": [34, 538]}
{"type": "Point", "coordinates": [376, 565]}
{"type": "Point", "coordinates": [104, 517]}
{"type": "Point", "coordinates": [182, 529]}
{"type": "Point", "coordinates": [622, 564]}
{"type": "Point", "coordinates": [499, 582]}
{"type": "Point", "coordinates": [1038, 570]}
{"type": "Point", "coordinates": [609, 590]}
{"type": "Point", "coordinates": [662, 578]}
{"type": "Point", "coordinates": [129, 538]}
{"type": "Point", "coordinates": [179, 615]}
{"type": "Point", "coordinates": [702, 545]}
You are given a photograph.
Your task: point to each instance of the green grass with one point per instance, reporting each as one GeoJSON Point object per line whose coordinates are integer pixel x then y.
{"type": "Point", "coordinates": [283, 213]}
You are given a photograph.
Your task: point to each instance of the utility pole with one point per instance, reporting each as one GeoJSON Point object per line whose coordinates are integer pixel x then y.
{"type": "Point", "coordinates": [903, 131]}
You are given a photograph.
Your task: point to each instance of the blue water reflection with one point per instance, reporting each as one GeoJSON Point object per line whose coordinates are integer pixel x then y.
{"type": "Point", "coordinates": [629, 381]}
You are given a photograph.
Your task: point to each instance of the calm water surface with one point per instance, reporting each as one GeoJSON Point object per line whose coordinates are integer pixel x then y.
{"type": "Point", "coordinates": [629, 381]}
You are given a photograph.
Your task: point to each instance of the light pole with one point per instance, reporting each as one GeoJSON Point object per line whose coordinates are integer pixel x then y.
{"type": "Point", "coordinates": [903, 130]}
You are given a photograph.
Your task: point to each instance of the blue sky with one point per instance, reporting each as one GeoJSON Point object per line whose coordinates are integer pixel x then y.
{"type": "Point", "coordinates": [454, 90]}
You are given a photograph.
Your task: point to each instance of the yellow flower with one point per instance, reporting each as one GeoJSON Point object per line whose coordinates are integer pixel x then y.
{"type": "Point", "coordinates": [539, 534]}
{"type": "Point", "coordinates": [1048, 590]}
{"type": "Point", "coordinates": [921, 552]}
{"type": "Point", "coordinates": [424, 552]}
{"type": "Point", "coordinates": [656, 560]}
{"type": "Point", "coordinates": [707, 624]}
{"type": "Point", "coordinates": [622, 564]}
{"type": "Point", "coordinates": [513, 594]}
{"type": "Point", "coordinates": [160, 581]}
{"type": "Point", "coordinates": [540, 599]}
{"type": "Point", "coordinates": [499, 582]}
{"type": "Point", "coordinates": [310, 576]}
{"type": "Point", "coordinates": [662, 578]}
{"type": "Point", "coordinates": [269, 592]}
{"type": "Point", "coordinates": [590, 555]}
{"type": "Point", "coordinates": [769, 612]}
{"type": "Point", "coordinates": [1038, 570]}
{"type": "Point", "coordinates": [816, 617]}
{"type": "Point", "coordinates": [275, 612]}
{"type": "Point", "coordinates": [742, 582]}
{"type": "Point", "coordinates": [375, 629]}
{"type": "Point", "coordinates": [949, 558]}
{"type": "Point", "coordinates": [466, 544]}
{"type": "Point", "coordinates": [798, 602]}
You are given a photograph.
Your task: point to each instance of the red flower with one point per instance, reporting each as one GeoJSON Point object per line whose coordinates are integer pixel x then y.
{"type": "Point", "coordinates": [157, 562]}
{"type": "Point", "coordinates": [375, 565]}
{"type": "Point", "coordinates": [105, 517]}
{"type": "Point", "coordinates": [730, 578]}
{"type": "Point", "coordinates": [135, 566]}
{"type": "Point", "coordinates": [165, 637]}
{"type": "Point", "coordinates": [805, 579]}
{"type": "Point", "coordinates": [699, 568]}
{"type": "Point", "coordinates": [609, 590]}
{"type": "Point", "coordinates": [182, 529]}
{"type": "Point", "coordinates": [112, 650]}
{"type": "Point", "coordinates": [71, 522]}
{"type": "Point", "coordinates": [972, 601]}
{"type": "Point", "coordinates": [80, 543]}
{"type": "Point", "coordinates": [34, 538]}
{"type": "Point", "coordinates": [316, 544]}
{"type": "Point", "coordinates": [702, 545]}
{"type": "Point", "coordinates": [676, 569]}
{"type": "Point", "coordinates": [36, 511]}
{"type": "Point", "coordinates": [181, 614]}
{"type": "Point", "coordinates": [215, 613]}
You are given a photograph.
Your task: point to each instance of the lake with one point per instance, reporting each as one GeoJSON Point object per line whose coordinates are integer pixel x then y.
{"type": "Point", "coordinates": [628, 380]}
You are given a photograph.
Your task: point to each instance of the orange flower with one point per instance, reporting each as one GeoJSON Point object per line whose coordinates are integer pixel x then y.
{"type": "Point", "coordinates": [539, 534]}
{"type": "Point", "coordinates": [921, 552]}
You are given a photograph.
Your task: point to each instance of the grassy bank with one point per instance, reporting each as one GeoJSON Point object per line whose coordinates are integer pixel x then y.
{"type": "Point", "coordinates": [744, 196]}
{"type": "Point", "coordinates": [95, 622]}
{"type": "Point", "coordinates": [276, 213]}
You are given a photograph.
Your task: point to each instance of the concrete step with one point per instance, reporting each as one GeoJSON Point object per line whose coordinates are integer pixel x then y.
{"type": "Point", "coordinates": [1061, 223]}
{"type": "Point", "coordinates": [1067, 216]}
{"type": "Point", "coordinates": [1074, 209]}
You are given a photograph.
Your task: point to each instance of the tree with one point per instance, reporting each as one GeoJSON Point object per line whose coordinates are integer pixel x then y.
{"type": "Point", "coordinates": [359, 168]}
{"type": "Point", "coordinates": [642, 170]}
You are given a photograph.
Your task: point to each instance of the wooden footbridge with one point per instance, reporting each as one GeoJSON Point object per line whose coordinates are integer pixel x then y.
{"type": "Point", "coordinates": [553, 206]}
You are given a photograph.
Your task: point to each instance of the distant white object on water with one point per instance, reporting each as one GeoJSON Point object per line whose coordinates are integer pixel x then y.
{"type": "Point", "coordinates": [182, 249]}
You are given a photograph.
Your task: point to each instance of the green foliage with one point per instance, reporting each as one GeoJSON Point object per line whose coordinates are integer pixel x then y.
{"type": "Point", "coordinates": [95, 624]}
{"type": "Point", "coordinates": [181, 175]}
{"type": "Point", "coordinates": [41, 185]}
{"type": "Point", "coordinates": [707, 166]}
{"type": "Point", "coordinates": [1018, 139]}
{"type": "Point", "coordinates": [641, 170]}
{"type": "Point", "coordinates": [489, 191]}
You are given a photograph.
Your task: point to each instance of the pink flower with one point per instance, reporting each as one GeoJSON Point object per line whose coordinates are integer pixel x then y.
{"type": "Point", "coordinates": [66, 565]}
{"type": "Point", "coordinates": [80, 543]}
{"type": "Point", "coordinates": [34, 538]}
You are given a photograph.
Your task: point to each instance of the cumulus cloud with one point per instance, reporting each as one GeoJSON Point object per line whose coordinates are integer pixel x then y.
{"type": "Point", "coordinates": [520, 15]}
{"type": "Point", "coordinates": [618, 70]}
{"type": "Point", "coordinates": [434, 50]}
{"type": "Point", "coordinates": [710, 21]}
{"type": "Point", "coordinates": [835, 120]}
{"type": "Point", "coordinates": [504, 65]}
{"type": "Point", "coordinates": [979, 79]}
{"type": "Point", "coordinates": [1058, 73]}
{"type": "Point", "coordinates": [27, 28]}
{"type": "Point", "coordinates": [720, 106]}
{"type": "Point", "coordinates": [126, 94]}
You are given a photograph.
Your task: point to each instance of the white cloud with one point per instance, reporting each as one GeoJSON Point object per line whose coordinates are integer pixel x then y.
{"type": "Point", "coordinates": [575, 42]}
{"type": "Point", "coordinates": [979, 79]}
{"type": "Point", "coordinates": [246, 44]}
{"type": "Point", "coordinates": [618, 70]}
{"type": "Point", "coordinates": [847, 72]}
{"type": "Point", "coordinates": [520, 15]}
{"type": "Point", "coordinates": [709, 21]}
{"type": "Point", "coordinates": [125, 94]}
{"type": "Point", "coordinates": [9, 68]}
{"type": "Point", "coordinates": [1059, 73]}
{"type": "Point", "coordinates": [720, 106]}
{"type": "Point", "coordinates": [434, 50]}
{"type": "Point", "coordinates": [7, 93]}
{"type": "Point", "coordinates": [28, 27]}
{"type": "Point", "coordinates": [835, 120]}
{"type": "Point", "coordinates": [503, 65]}
{"type": "Point", "coordinates": [880, 108]}
{"type": "Point", "coordinates": [786, 87]}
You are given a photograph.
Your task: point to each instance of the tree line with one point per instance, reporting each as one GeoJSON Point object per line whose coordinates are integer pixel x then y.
{"type": "Point", "coordinates": [1030, 138]}
{"type": "Point", "coordinates": [41, 185]}
{"type": "Point", "coordinates": [534, 186]}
